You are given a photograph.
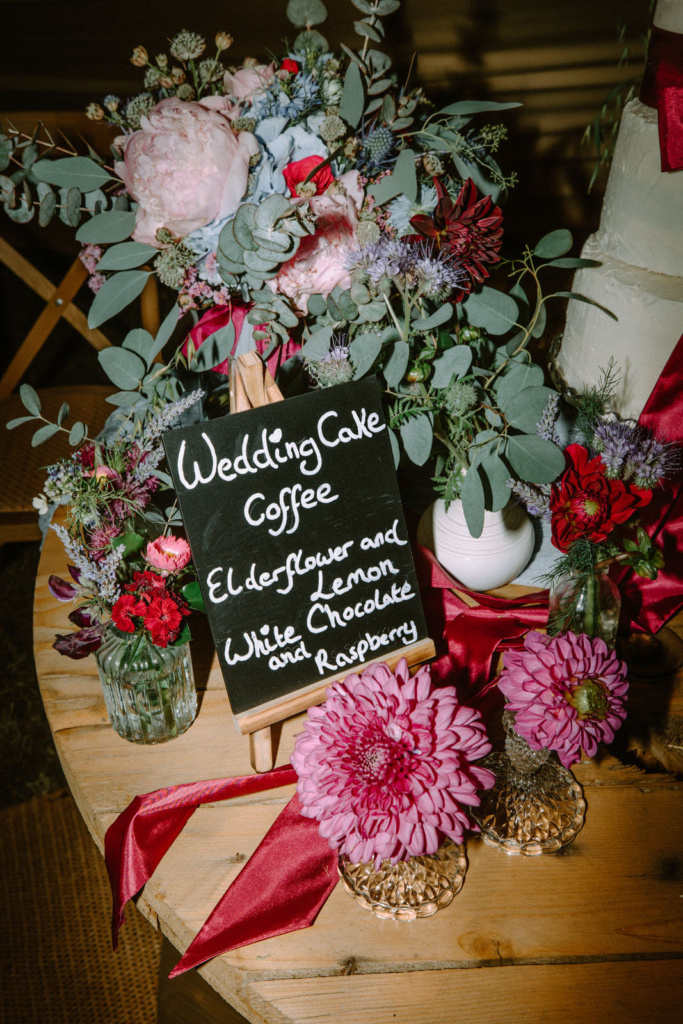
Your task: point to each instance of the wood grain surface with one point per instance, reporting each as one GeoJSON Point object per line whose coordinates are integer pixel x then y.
{"type": "Point", "coordinates": [592, 934]}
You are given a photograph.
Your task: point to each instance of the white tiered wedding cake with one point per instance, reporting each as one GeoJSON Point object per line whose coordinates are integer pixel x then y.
{"type": "Point", "coordinates": [640, 248]}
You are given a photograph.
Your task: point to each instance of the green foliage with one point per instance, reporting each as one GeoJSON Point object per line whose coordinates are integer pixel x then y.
{"type": "Point", "coordinates": [115, 294]}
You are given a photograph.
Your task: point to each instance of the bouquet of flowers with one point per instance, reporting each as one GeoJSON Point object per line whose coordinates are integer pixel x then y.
{"type": "Point", "coordinates": [321, 210]}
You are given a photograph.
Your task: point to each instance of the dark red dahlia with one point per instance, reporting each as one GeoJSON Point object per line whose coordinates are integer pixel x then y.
{"type": "Point", "coordinates": [470, 229]}
{"type": "Point", "coordinates": [585, 503]}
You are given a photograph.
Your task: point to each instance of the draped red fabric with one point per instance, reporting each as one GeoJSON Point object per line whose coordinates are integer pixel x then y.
{"type": "Point", "coordinates": [220, 316]}
{"type": "Point", "coordinates": [650, 603]}
{"type": "Point", "coordinates": [662, 89]}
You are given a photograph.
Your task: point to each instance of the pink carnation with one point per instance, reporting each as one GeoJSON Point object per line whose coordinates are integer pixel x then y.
{"type": "Point", "coordinates": [185, 167]}
{"type": "Point", "coordinates": [318, 265]}
{"type": "Point", "coordinates": [170, 554]}
{"type": "Point", "coordinates": [567, 692]}
{"type": "Point", "coordinates": [385, 765]}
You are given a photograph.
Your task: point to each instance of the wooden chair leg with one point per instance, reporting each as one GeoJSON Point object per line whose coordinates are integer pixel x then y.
{"type": "Point", "coordinates": [149, 306]}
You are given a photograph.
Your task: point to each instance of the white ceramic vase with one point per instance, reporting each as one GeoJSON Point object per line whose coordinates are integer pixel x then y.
{"type": "Point", "coordinates": [482, 563]}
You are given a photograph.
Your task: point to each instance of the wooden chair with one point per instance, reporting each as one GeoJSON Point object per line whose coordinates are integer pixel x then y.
{"type": "Point", "coordinates": [21, 466]}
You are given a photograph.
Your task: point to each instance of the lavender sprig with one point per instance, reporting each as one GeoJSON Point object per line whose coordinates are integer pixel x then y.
{"type": "Point", "coordinates": [545, 427]}
{"type": "Point", "coordinates": [536, 498]}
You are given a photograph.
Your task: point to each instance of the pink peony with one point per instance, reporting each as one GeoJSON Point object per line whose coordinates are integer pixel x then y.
{"type": "Point", "coordinates": [566, 692]}
{"type": "Point", "coordinates": [385, 764]}
{"type": "Point", "coordinates": [246, 83]}
{"type": "Point", "coordinates": [170, 554]}
{"type": "Point", "coordinates": [185, 167]}
{"type": "Point", "coordinates": [318, 265]}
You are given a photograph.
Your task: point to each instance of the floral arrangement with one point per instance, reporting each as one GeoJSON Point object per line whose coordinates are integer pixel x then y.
{"type": "Point", "coordinates": [386, 765]}
{"type": "Point", "coordinates": [319, 209]}
{"type": "Point", "coordinates": [567, 693]}
{"type": "Point", "coordinates": [126, 568]}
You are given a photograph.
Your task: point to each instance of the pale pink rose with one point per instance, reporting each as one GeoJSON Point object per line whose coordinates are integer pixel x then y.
{"type": "Point", "coordinates": [319, 262]}
{"type": "Point", "coordinates": [185, 167]}
{"type": "Point", "coordinates": [170, 554]}
{"type": "Point", "coordinates": [248, 82]}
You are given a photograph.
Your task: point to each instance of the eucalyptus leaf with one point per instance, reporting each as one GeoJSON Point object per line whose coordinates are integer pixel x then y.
{"type": "Point", "coordinates": [534, 459]}
{"type": "Point", "coordinates": [125, 369]}
{"type": "Point", "coordinates": [318, 345]}
{"type": "Point", "coordinates": [495, 311]}
{"type": "Point", "coordinates": [574, 263]}
{"type": "Point", "coordinates": [317, 305]}
{"type": "Point", "coordinates": [397, 363]}
{"type": "Point", "coordinates": [517, 377]}
{"type": "Point", "coordinates": [77, 433]}
{"type": "Point", "coordinates": [116, 293]}
{"type": "Point", "coordinates": [353, 97]}
{"type": "Point", "coordinates": [29, 399]}
{"type": "Point", "coordinates": [165, 331]}
{"type": "Point", "coordinates": [584, 298]}
{"type": "Point", "coordinates": [541, 321]}
{"type": "Point", "coordinates": [555, 244]}
{"type": "Point", "coordinates": [494, 475]}
{"type": "Point", "coordinates": [71, 172]}
{"type": "Point", "coordinates": [402, 180]}
{"type": "Point", "coordinates": [106, 228]}
{"type": "Point", "coordinates": [395, 448]}
{"type": "Point", "coordinates": [63, 413]}
{"type": "Point", "coordinates": [385, 7]}
{"type": "Point", "coordinates": [48, 205]}
{"type": "Point", "coordinates": [363, 351]}
{"type": "Point", "coordinates": [454, 363]}
{"type": "Point", "coordinates": [466, 107]}
{"type": "Point", "coordinates": [215, 349]}
{"type": "Point", "coordinates": [303, 13]}
{"type": "Point", "coordinates": [473, 501]}
{"type": "Point", "coordinates": [417, 436]}
{"type": "Point", "coordinates": [441, 316]}
{"type": "Point", "coordinates": [364, 29]}
{"type": "Point", "coordinates": [44, 434]}
{"type": "Point", "coordinates": [123, 399]}
{"type": "Point", "coordinates": [372, 312]}
{"type": "Point", "coordinates": [72, 207]}
{"type": "Point", "coordinates": [18, 421]}
{"type": "Point", "coordinates": [141, 342]}
{"type": "Point", "coordinates": [524, 410]}
{"type": "Point", "coordinates": [126, 255]}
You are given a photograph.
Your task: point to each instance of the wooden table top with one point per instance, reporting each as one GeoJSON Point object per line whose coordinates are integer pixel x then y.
{"type": "Point", "coordinates": [594, 933]}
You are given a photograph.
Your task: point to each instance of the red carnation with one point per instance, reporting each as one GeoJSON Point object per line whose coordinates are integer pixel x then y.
{"type": "Point", "coordinates": [469, 229]}
{"type": "Point", "coordinates": [146, 584]}
{"type": "Point", "coordinates": [162, 619]}
{"type": "Point", "coordinates": [290, 65]}
{"type": "Point", "coordinates": [297, 172]}
{"type": "Point", "coordinates": [123, 611]}
{"type": "Point", "coordinates": [585, 503]}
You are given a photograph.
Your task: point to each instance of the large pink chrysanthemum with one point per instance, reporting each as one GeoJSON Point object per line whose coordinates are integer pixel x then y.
{"type": "Point", "coordinates": [385, 765]}
{"type": "Point", "coordinates": [566, 692]}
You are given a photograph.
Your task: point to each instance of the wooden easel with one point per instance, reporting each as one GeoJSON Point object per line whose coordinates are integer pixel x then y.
{"type": "Point", "coordinates": [251, 386]}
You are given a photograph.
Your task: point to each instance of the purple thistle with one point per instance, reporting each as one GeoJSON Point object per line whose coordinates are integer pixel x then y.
{"type": "Point", "coordinates": [631, 452]}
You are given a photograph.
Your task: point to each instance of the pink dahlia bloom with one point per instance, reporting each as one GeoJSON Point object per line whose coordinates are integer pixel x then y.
{"type": "Point", "coordinates": [385, 765]}
{"type": "Point", "coordinates": [170, 554]}
{"type": "Point", "coordinates": [567, 692]}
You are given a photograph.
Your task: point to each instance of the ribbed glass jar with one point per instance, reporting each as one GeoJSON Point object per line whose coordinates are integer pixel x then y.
{"type": "Point", "coordinates": [149, 691]}
{"type": "Point", "coordinates": [585, 603]}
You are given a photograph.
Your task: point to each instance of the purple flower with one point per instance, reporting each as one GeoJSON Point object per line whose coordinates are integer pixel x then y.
{"type": "Point", "coordinates": [81, 644]}
{"type": "Point", "coordinates": [62, 590]}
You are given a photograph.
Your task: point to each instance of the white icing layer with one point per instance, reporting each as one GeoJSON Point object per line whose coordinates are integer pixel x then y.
{"type": "Point", "coordinates": [650, 311]}
{"type": "Point", "coordinates": [642, 214]}
{"type": "Point", "coordinates": [669, 15]}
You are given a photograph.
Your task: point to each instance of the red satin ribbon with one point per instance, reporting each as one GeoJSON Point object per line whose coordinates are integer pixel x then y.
{"type": "Point", "coordinates": [650, 603]}
{"type": "Point", "coordinates": [220, 316]}
{"type": "Point", "coordinates": [662, 89]}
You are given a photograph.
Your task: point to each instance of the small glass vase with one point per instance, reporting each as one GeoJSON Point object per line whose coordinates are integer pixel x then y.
{"type": "Point", "coordinates": [149, 691]}
{"type": "Point", "coordinates": [413, 888]}
{"type": "Point", "coordinates": [536, 806]}
{"type": "Point", "coordinates": [585, 603]}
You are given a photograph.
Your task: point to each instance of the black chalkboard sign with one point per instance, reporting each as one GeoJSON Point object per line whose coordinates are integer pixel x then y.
{"type": "Point", "coordinates": [294, 518]}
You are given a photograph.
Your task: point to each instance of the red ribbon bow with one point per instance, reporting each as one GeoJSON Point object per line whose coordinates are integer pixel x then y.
{"type": "Point", "coordinates": [662, 89]}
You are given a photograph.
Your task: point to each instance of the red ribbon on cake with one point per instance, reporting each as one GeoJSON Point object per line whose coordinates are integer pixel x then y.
{"type": "Point", "coordinates": [662, 89]}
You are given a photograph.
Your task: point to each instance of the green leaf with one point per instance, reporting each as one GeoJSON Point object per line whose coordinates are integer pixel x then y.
{"type": "Point", "coordinates": [184, 636]}
{"type": "Point", "coordinates": [495, 474]}
{"type": "Point", "coordinates": [417, 436]}
{"type": "Point", "coordinates": [109, 227]}
{"type": "Point", "coordinates": [193, 595]}
{"type": "Point", "coordinates": [364, 29]}
{"type": "Point", "coordinates": [44, 434]}
{"type": "Point", "coordinates": [584, 298]}
{"type": "Point", "coordinates": [29, 399]}
{"type": "Point", "coordinates": [385, 7]}
{"type": "Point", "coordinates": [574, 262]}
{"type": "Point", "coordinates": [441, 316]}
{"type": "Point", "coordinates": [303, 13]}
{"type": "Point", "coordinates": [126, 256]}
{"type": "Point", "coordinates": [318, 345]}
{"type": "Point", "coordinates": [353, 97]}
{"type": "Point", "coordinates": [317, 305]}
{"type": "Point", "coordinates": [473, 501]}
{"type": "Point", "coordinates": [495, 311]}
{"type": "Point", "coordinates": [525, 409]}
{"type": "Point", "coordinates": [215, 349]}
{"type": "Point", "coordinates": [518, 377]}
{"type": "Point", "coordinates": [466, 107]}
{"type": "Point", "coordinates": [364, 5]}
{"type": "Point", "coordinates": [63, 413]}
{"type": "Point", "coordinates": [363, 351]}
{"type": "Point", "coordinates": [48, 205]}
{"type": "Point", "coordinates": [534, 459]}
{"type": "Point", "coordinates": [372, 312]}
{"type": "Point", "coordinates": [77, 433]}
{"type": "Point", "coordinates": [397, 363]}
{"type": "Point", "coordinates": [541, 321]}
{"type": "Point", "coordinates": [125, 369]}
{"type": "Point", "coordinates": [557, 243]}
{"type": "Point", "coordinates": [130, 542]}
{"type": "Point", "coordinates": [402, 180]}
{"type": "Point", "coordinates": [629, 545]}
{"type": "Point", "coordinates": [72, 207]}
{"type": "Point", "coordinates": [455, 362]}
{"type": "Point", "coordinates": [17, 422]}
{"type": "Point", "coordinates": [164, 333]}
{"type": "Point", "coordinates": [115, 294]}
{"type": "Point", "coordinates": [395, 448]}
{"type": "Point", "coordinates": [139, 341]}
{"type": "Point", "coordinates": [71, 172]}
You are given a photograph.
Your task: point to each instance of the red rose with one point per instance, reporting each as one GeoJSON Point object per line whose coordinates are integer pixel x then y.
{"type": "Point", "coordinates": [585, 503]}
{"type": "Point", "coordinates": [297, 172]}
{"type": "Point", "coordinates": [123, 611]}
{"type": "Point", "coordinates": [290, 65]}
